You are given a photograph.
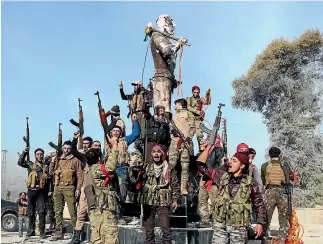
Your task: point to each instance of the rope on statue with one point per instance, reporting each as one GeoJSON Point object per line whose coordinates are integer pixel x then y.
{"type": "Point", "coordinates": [143, 69]}
{"type": "Point", "coordinates": [179, 87]}
{"type": "Point", "coordinates": [295, 231]}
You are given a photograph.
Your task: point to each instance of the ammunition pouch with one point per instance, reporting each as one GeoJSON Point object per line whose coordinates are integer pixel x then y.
{"type": "Point", "coordinates": [32, 180]}
{"type": "Point", "coordinates": [43, 181]}
{"type": "Point", "coordinates": [57, 176]}
{"type": "Point", "coordinates": [68, 177]}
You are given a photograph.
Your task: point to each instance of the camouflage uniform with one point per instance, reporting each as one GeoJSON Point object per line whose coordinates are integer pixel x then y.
{"type": "Point", "coordinates": [184, 121]}
{"type": "Point", "coordinates": [103, 216]}
{"type": "Point", "coordinates": [195, 105]}
{"type": "Point", "coordinates": [232, 205]}
{"type": "Point", "coordinates": [273, 173]}
{"type": "Point", "coordinates": [157, 196]}
{"type": "Point", "coordinates": [67, 178]}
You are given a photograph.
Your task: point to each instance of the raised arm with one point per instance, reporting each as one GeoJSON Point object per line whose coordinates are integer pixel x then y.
{"type": "Point", "coordinates": [134, 135]}
{"type": "Point", "coordinates": [22, 162]}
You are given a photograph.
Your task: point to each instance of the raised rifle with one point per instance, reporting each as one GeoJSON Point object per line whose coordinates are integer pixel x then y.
{"type": "Point", "coordinates": [58, 147]}
{"type": "Point", "coordinates": [27, 139]}
{"type": "Point", "coordinates": [216, 125]}
{"type": "Point", "coordinates": [80, 124]}
{"type": "Point", "coordinates": [182, 139]}
{"type": "Point", "coordinates": [289, 191]}
{"type": "Point", "coordinates": [225, 138]}
{"type": "Point", "coordinates": [103, 117]}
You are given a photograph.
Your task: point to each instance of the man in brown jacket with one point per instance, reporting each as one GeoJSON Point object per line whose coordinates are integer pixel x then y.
{"type": "Point", "coordinates": [182, 125]}
{"type": "Point", "coordinates": [68, 178]}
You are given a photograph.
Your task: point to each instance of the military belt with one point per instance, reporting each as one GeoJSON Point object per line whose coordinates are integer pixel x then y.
{"type": "Point", "coordinates": [274, 186]}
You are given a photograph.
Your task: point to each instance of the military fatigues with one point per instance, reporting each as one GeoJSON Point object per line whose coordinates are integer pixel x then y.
{"type": "Point", "coordinates": [206, 188]}
{"type": "Point", "coordinates": [195, 105]}
{"type": "Point", "coordinates": [232, 206]}
{"type": "Point", "coordinates": [273, 173]}
{"type": "Point", "coordinates": [37, 181]}
{"type": "Point", "coordinates": [103, 217]}
{"type": "Point", "coordinates": [184, 121]}
{"type": "Point", "coordinates": [67, 179]}
{"type": "Point", "coordinates": [138, 106]}
{"type": "Point", "coordinates": [157, 196]}
{"type": "Point", "coordinates": [22, 215]}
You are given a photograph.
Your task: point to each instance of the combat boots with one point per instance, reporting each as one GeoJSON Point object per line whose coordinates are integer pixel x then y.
{"type": "Point", "coordinates": [184, 187]}
{"type": "Point", "coordinates": [76, 237]}
{"type": "Point", "coordinates": [58, 235]}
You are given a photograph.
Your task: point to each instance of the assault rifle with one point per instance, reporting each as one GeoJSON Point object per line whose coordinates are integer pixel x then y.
{"type": "Point", "coordinates": [182, 139]}
{"type": "Point", "coordinates": [288, 191]}
{"type": "Point", "coordinates": [80, 124]}
{"type": "Point", "coordinates": [103, 117]}
{"type": "Point", "coordinates": [216, 125]}
{"type": "Point", "coordinates": [58, 147]}
{"type": "Point", "coordinates": [225, 138]}
{"type": "Point", "coordinates": [27, 139]}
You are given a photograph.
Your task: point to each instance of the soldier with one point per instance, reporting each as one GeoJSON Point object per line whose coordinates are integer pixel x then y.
{"type": "Point", "coordinates": [232, 198]}
{"type": "Point", "coordinates": [255, 170]}
{"type": "Point", "coordinates": [82, 210]}
{"type": "Point", "coordinates": [195, 105]}
{"type": "Point", "coordinates": [37, 181]}
{"type": "Point", "coordinates": [115, 116]}
{"type": "Point", "coordinates": [139, 103]}
{"type": "Point", "coordinates": [179, 149]}
{"type": "Point", "coordinates": [157, 130]}
{"type": "Point", "coordinates": [213, 162]}
{"type": "Point", "coordinates": [103, 209]}
{"type": "Point", "coordinates": [68, 180]}
{"type": "Point", "coordinates": [22, 212]}
{"type": "Point", "coordinates": [274, 174]}
{"type": "Point", "coordinates": [123, 157]}
{"type": "Point", "coordinates": [160, 191]}
{"type": "Point", "coordinates": [87, 141]}
{"type": "Point", "coordinates": [164, 55]}
{"type": "Point", "coordinates": [49, 202]}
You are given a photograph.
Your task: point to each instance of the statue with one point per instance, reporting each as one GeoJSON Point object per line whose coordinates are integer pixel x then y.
{"type": "Point", "coordinates": [164, 55]}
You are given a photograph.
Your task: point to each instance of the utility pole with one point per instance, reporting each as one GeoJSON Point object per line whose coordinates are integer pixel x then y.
{"type": "Point", "coordinates": [3, 167]}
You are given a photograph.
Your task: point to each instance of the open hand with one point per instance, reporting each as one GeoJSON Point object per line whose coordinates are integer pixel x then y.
{"type": "Point", "coordinates": [259, 230]}
{"type": "Point", "coordinates": [175, 206]}
{"type": "Point", "coordinates": [121, 85]}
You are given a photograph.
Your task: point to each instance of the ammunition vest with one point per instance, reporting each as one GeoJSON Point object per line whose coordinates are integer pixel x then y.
{"type": "Point", "coordinates": [37, 177]}
{"type": "Point", "coordinates": [181, 121]}
{"type": "Point", "coordinates": [137, 102]}
{"type": "Point", "coordinates": [65, 174]}
{"type": "Point", "coordinates": [152, 196]}
{"type": "Point", "coordinates": [158, 132]}
{"type": "Point", "coordinates": [236, 211]}
{"type": "Point", "coordinates": [22, 210]}
{"type": "Point", "coordinates": [274, 173]}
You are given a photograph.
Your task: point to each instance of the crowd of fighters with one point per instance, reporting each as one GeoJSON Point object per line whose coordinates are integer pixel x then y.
{"type": "Point", "coordinates": [97, 181]}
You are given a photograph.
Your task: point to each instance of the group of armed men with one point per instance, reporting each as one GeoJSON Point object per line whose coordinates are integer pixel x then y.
{"type": "Point", "coordinates": [97, 183]}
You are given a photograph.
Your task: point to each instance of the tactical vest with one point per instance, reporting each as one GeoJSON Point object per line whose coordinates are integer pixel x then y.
{"type": "Point", "coordinates": [153, 197]}
{"type": "Point", "coordinates": [235, 212]}
{"type": "Point", "coordinates": [181, 121]}
{"type": "Point", "coordinates": [158, 132]}
{"type": "Point", "coordinates": [137, 102]}
{"type": "Point", "coordinates": [196, 102]}
{"type": "Point", "coordinates": [274, 174]}
{"type": "Point", "coordinates": [37, 177]}
{"type": "Point", "coordinates": [65, 174]}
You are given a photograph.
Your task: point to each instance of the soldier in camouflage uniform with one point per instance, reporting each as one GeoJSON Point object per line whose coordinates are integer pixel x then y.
{"type": "Point", "coordinates": [195, 105]}
{"type": "Point", "coordinates": [178, 149]}
{"type": "Point", "coordinates": [68, 178]}
{"type": "Point", "coordinates": [82, 211]}
{"type": "Point", "coordinates": [103, 204]}
{"type": "Point", "coordinates": [160, 191]}
{"type": "Point", "coordinates": [273, 174]}
{"type": "Point", "coordinates": [236, 191]}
